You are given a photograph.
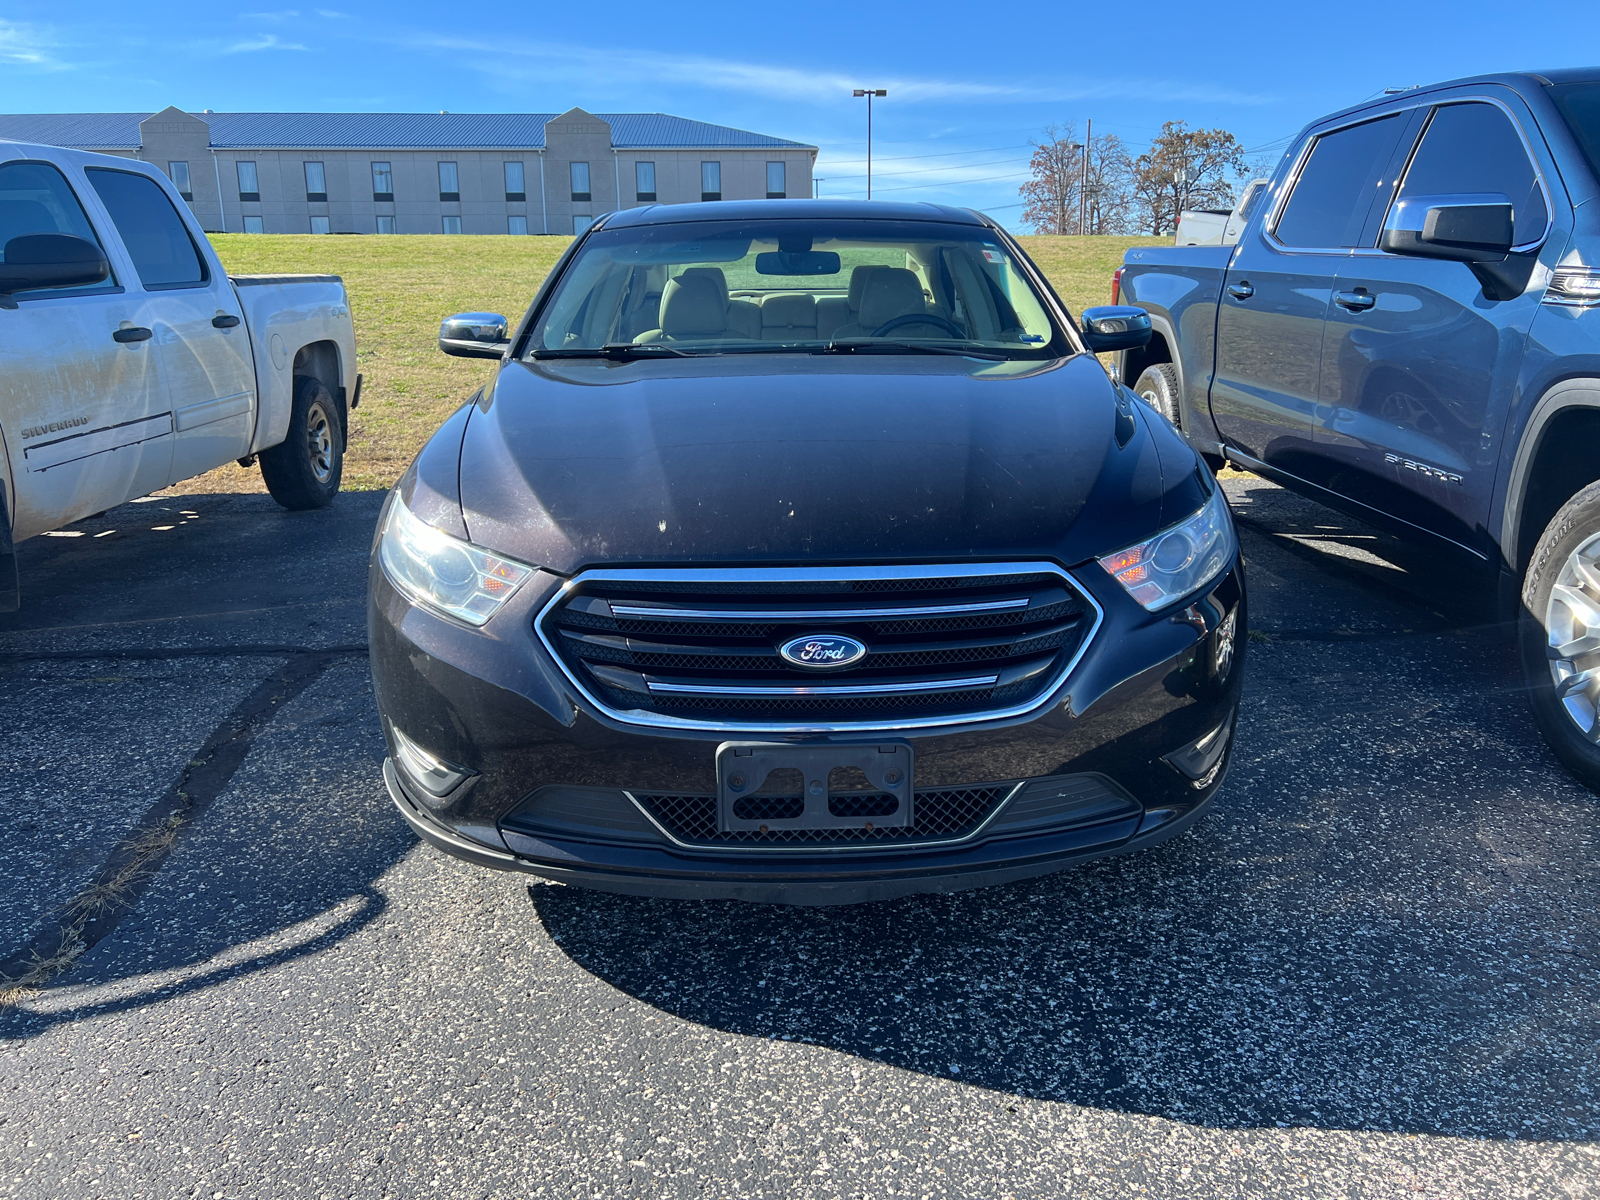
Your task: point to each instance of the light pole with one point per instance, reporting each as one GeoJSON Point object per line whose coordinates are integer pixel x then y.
{"type": "Point", "coordinates": [1083, 191]}
{"type": "Point", "coordinates": [1076, 146]}
{"type": "Point", "coordinates": [869, 93]}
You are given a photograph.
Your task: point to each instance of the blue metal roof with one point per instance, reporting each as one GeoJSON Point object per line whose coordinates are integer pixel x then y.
{"type": "Point", "coordinates": [379, 131]}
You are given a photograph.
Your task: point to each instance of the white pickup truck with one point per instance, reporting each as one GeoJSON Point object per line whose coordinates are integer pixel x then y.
{"type": "Point", "coordinates": [129, 360]}
{"type": "Point", "coordinates": [1219, 226]}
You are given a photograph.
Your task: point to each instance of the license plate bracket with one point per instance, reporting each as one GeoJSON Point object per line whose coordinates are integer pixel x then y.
{"type": "Point", "coordinates": [746, 805]}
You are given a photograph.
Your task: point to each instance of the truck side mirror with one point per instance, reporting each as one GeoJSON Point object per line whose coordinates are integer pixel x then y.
{"type": "Point", "coordinates": [49, 260]}
{"type": "Point", "coordinates": [474, 335]}
{"type": "Point", "coordinates": [1115, 327]}
{"type": "Point", "coordinates": [1475, 228]}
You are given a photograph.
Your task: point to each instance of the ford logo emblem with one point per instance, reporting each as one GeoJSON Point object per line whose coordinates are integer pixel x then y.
{"type": "Point", "coordinates": [823, 650]}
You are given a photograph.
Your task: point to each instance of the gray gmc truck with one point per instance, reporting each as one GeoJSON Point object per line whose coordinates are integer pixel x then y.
{"type": "Point", "coordinates": [1407, 330]}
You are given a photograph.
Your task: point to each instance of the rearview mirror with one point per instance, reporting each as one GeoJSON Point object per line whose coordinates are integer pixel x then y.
{"type": "Point", "coordinates": [1115, 327]}
{"type": "Point", "coordinates": [50, 260]}
{"type": "Point", "coordinates": [797, 262]}
{"type": "Point", "coordinates": [1469, 228]}
{"type": "Point", "coordinates": [474, 335]}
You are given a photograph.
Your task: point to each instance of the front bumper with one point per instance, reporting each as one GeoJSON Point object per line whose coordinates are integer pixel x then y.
{"type": "Point", "coordinates": [493, 700]}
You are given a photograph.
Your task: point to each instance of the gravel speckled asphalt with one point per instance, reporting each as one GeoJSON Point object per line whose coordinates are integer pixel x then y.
{"type": "Point", "coordinates": [1371, 972]}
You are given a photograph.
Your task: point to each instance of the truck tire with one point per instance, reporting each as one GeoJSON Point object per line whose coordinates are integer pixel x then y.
{"type": "Point", "coordinates": [1558, 632]}
{"type": "Point", "coordinates": [303, 471]}
{"type": "Point", "coordinates": [1158, 387]}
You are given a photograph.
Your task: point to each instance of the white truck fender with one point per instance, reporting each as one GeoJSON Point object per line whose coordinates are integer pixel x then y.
{"type": "Point", "coordinates": [285, 314]}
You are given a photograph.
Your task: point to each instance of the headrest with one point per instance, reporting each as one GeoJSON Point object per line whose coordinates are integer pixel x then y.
{"type": "Point", "coordinates": [693, 304]}
{"type": "Point", "coordinates": [858, 281]}
{"type": "Point", "coordinates": [890, 292]}
{"type": "Point", "coordinates": [713, 273]}
{"type": "Point", "coordinates": [789, 310]}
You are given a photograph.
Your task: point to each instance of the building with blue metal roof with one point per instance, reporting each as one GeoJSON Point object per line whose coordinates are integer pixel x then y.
{"type": "Point", "coordinates": [431, 172]}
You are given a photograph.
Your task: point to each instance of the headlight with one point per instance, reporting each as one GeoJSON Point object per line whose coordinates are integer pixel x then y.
{"type": "Point", "coordinates": [444, 573]}
{"type": "Point", "coordinates": [1179, 560]}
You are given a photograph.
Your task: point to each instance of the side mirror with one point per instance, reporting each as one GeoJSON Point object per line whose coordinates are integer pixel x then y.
{"type": "Point", "coordinates": [1470, 228]}
{"type": "Point", "coordinates": [474, 335]}
{"type": "Point", "coordinates": [50, 260]}
{"type": "Point", "coordinates": [1115, 327]}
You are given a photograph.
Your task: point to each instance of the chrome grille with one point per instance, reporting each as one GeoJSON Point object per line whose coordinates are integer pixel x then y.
{"type": "Point", "coordinates": [939, 816]}
{"type": "Point", "coordinates": [699, 648]}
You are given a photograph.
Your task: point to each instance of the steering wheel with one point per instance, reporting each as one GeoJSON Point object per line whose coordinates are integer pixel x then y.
{"type": "Point", "coordinates": [918, 319]}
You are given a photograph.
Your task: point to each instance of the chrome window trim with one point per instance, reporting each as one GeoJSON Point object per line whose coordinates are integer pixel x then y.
{"type": "Point", "coordinates": [739, 848]}
{"type": "Point", "coordinates": [1269, 225]}
{"type": "Point", "coordinates": [639, 718]}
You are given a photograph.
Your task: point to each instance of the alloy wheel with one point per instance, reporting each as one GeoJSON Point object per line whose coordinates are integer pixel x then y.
{"type": "Point", "coordinates": [1572, 629]}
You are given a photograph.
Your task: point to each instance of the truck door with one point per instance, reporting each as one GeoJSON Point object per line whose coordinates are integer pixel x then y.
{"type": "Point", "coordinates": [1275, 296]}
{"type": "Point", "coordinates": [200, 336]}
{"type": "Point", "coordinates": [1419, 366]}
{"type": "Point", "coordinates": [81, 402]}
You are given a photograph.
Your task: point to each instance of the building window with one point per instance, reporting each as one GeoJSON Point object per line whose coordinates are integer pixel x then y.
{"type": "Point", "coordinates": [382, 182]}
{"type": "Point", "coordinates": [580, 223]}
{"type": "Point", "coordinates": [711, 181]}
{"type": "Point", "coordinates": [178, 172]}
{"type": "Point", "coordinates": [316, 183]}
{"type": "Point", "coordinates": [516, 189]}
{"type": "Point", "coordinates": [517, 225]}
{"type": "Point", "coordinates": [644, 181]}
{"type": "Point", "coordinates": [253, 225]}
{"type": "Point", "coordinates": [452, 224]}
{"type": "Point", "coordinates": [580, 181]}
{"type": "Point", "coordinates": [449, 182]}
{"type": "Point", "coordinates": [248, 188]}
{"type": "Point", "coordinates": [385, 224]}
{"type": "Point", "coordinates": [775, 184]}
{"type": "Point", "coordinates": [320, 225]}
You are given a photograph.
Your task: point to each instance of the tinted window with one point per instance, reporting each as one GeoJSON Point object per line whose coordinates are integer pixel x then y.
{"type": "Point", "coordinates": [1475, 148]}
{"type": "Point", "coordinates": [1580, 105]}
{"type": "Point", "coordinates": [1329, 203]}
{"type": "Point", "coordinates": [162, 251]}
{"type": "Point", "coordinates": [35, 198]}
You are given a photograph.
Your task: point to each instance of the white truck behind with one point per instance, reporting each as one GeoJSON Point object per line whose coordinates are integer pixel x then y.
{"type": "Point", "coordinates": [129, 360]}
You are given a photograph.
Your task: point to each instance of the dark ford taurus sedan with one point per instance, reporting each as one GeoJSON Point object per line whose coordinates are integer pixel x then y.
{"type": "Point", "coordinates": [803, 552]}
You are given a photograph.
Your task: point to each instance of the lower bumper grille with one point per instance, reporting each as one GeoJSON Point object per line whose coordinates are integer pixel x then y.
{"type": "Point", "coordinates": [711, 648]}
{"type": "Point", "coordinates": [939, 816]}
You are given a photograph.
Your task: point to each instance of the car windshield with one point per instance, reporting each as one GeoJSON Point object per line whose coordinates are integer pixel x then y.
{"type": "Point", "coordinates": [715, 287]}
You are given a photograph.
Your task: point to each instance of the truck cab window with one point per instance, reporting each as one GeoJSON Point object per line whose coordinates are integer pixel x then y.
{"type": "Point", "coordinates": [35, 198]}
{"type": "Point", "coordinates": [162, 251]}
{"type": "Point", "coordinates": [1329, 203]}
{"type": "Point", "coordinates": [1475, 148]}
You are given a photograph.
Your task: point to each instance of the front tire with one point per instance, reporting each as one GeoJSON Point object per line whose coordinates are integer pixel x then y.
{"type": "Point", "coordinates": [1558, 634]}
{"type": "Point", "coordinates": [1158, 387]}
{"type": "Point", "coordinates": [304, 470]}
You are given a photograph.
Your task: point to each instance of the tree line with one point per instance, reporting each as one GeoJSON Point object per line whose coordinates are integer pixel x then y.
{"type": "Point", "coordinates": [1098, 186]}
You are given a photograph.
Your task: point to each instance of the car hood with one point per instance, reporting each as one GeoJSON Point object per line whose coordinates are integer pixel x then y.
{"type": "Point", "coordinates": [800, 458]}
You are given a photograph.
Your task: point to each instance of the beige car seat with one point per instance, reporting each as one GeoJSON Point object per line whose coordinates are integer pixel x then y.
{"type": "Point", "coordinates": [693, 307]}
{"type": "Point", "coordinates": [887, 293]}
{"type": "Point", "coordinates": [789, 318]}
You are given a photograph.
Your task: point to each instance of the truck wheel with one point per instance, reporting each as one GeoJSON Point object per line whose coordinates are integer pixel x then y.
{"type": "Point", "coordinates": [1158, 387]}
{"type": "Point", "coordinates": [1559, 635]}
{"type": "Point", "coordinates": [304, 470]}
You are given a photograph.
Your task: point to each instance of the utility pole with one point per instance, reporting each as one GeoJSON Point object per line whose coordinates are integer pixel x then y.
{"type": "Point", "coordinates": [816, 186]}
{"type": "Point", "coordinates": [1083, 190]}
{"type": "Point", "coordinates": [869, 93]}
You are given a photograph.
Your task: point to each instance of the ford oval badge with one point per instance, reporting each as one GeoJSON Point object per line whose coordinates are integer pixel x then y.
{"type": "Point", "coordinates": [823, 651]}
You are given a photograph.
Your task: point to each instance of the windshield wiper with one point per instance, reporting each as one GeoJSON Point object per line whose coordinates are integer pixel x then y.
{"type": "Point", "coordinates": [851, 345]}
{"type": "Point", "coordinates": [616, 350]}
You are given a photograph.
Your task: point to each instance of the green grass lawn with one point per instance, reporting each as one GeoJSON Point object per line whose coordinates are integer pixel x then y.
{"type": "Point", "coordinates": [402, 287]}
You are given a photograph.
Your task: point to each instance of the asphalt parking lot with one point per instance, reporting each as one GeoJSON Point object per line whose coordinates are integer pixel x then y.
{"type": "Point", "coordinates": [1370, 972]}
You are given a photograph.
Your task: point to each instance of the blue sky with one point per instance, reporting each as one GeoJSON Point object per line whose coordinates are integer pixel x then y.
{"type": "Point", "coordinates": [969, 85]}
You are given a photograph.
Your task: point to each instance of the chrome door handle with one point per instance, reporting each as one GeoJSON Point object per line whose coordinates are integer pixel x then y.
{"type": "Point", "coordinates": [137, 333]}
{"type": "Point", "coordinates": [225, 321]}
{"type": "Point", "coordinates": [1241, 291]}
{"type": "Point", "coordinates": [1355, 301]}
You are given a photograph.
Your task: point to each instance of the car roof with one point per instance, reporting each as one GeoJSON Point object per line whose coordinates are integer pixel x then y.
{"type": "Point", "coordinates": [1517, 80]}
{"type": "Point", "coordinates": [791, 210]}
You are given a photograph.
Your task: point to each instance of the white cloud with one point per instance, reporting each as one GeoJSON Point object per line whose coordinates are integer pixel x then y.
{"type": "Point", "coordinates": [262, 41]}
{"type": "Point", "coordinates": [26, 45]}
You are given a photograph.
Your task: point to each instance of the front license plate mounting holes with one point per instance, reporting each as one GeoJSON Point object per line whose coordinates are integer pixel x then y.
{"type": "Point", "coordinates": [770, 787]}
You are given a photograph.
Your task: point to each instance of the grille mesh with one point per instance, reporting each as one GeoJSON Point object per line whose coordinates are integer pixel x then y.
{"type": "Point", "coordinates": [937, 816]}
{"type": "Point", "coordinates": [1035, 640]}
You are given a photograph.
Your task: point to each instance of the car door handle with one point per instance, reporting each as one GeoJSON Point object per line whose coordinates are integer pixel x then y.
{"type": "Point", "coordinates": [1241, 291]}
{"type": "Point", "coordinates": [225, 321]}
{"type": "Point", "coordinates": [1355, 301]}
{"type": "Point", "coordinates": [136, 333]}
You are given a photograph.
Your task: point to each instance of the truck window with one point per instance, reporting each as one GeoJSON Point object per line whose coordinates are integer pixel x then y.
{"type": "Point", "coordinates": [1475, 148]}
{"type": "Point", "coordinates": [1579, 104]}
{"type": "Point", "coordinates": [158, 242]}
{"type": "Point", "coordinates": [36, 198]}
{"type": "Point", "coordinates": [1329, 203]}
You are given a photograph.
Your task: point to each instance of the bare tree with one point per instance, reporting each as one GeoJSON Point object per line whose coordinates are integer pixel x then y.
{"type": "Point", "coordinates": [1185, 168]}
{"type": "Point", "coordinates": [1075, 188]}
